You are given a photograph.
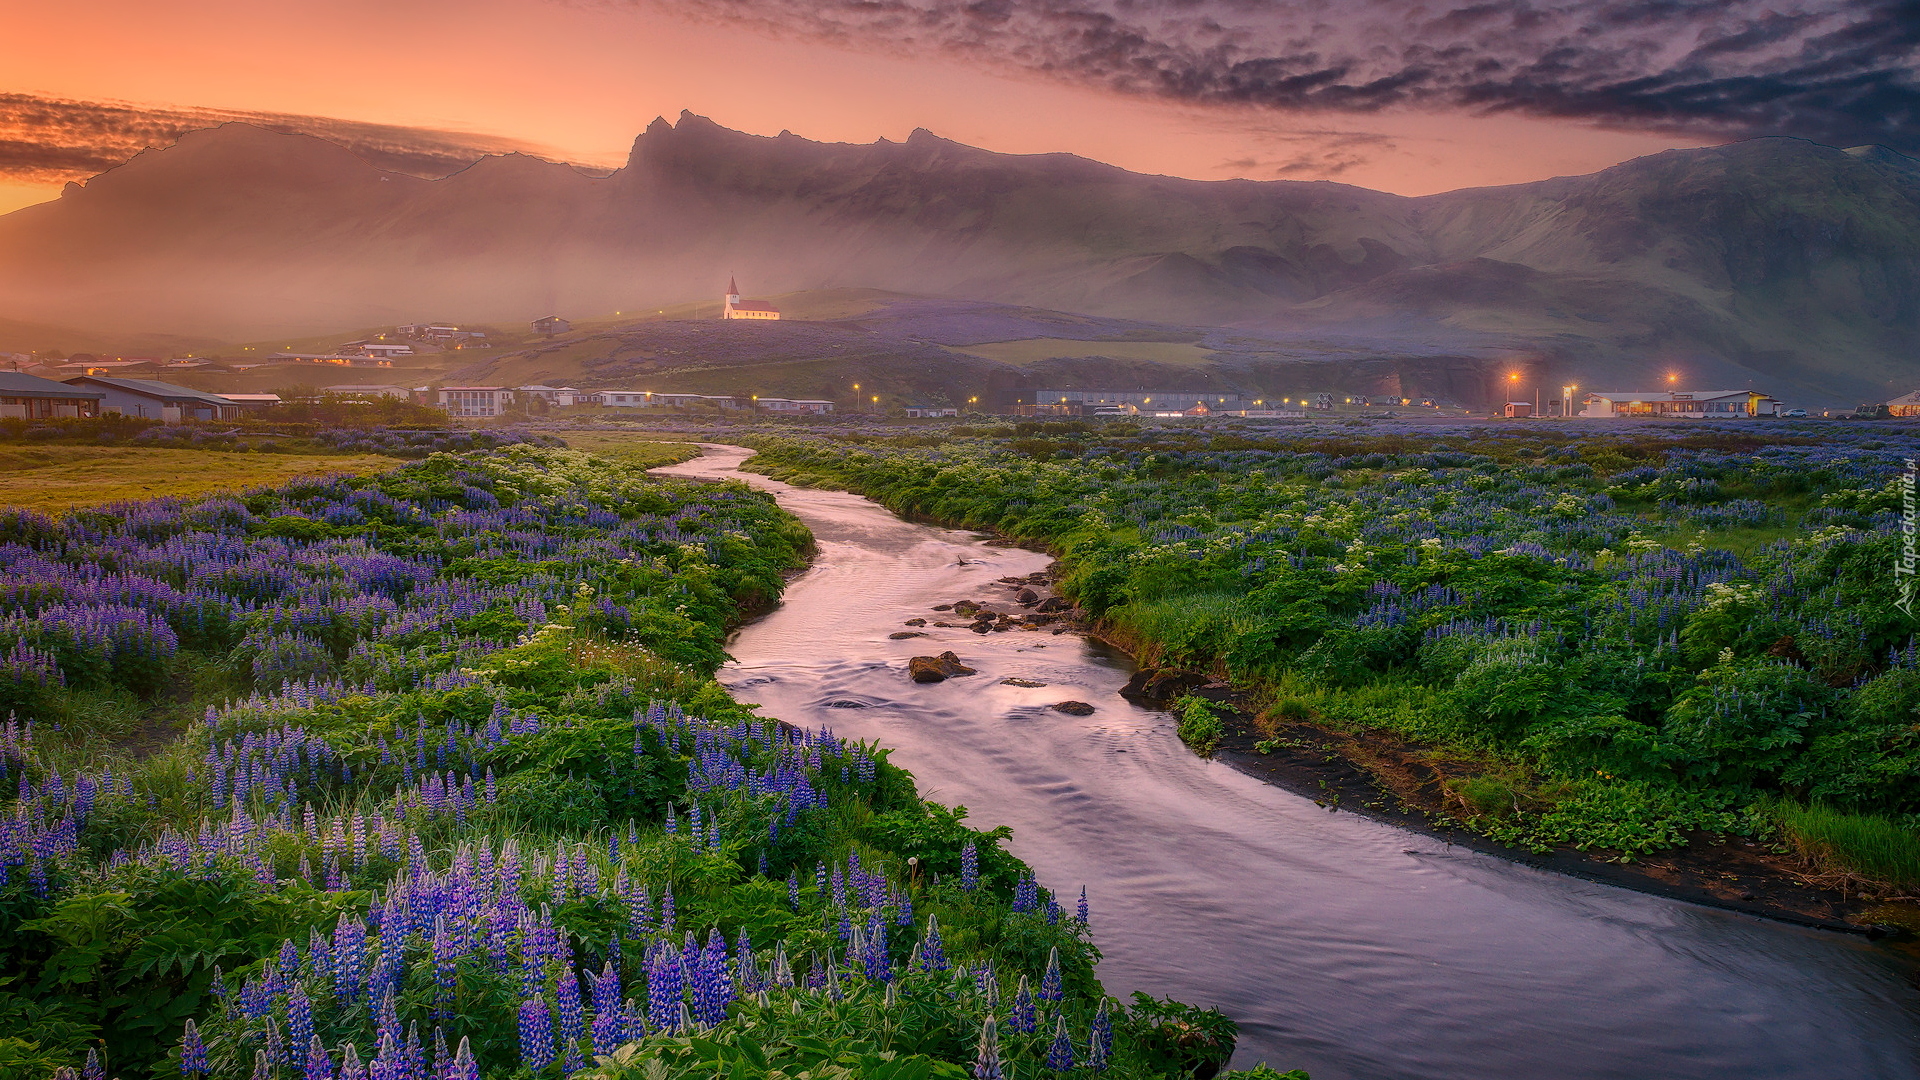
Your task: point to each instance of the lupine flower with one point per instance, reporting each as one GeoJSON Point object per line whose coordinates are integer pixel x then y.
{"type": "Point", "coordinates": [193, 1052]}
{"type": "Point", "coordinates": [1081, 913]}
{"type": "Point", "coordinates": [969, 867]}
{"type": "Point", "coordinates": [1100, 1040]}
{"type": "Point", "coordinates": [933, 957]}
{"type": "Point", "coordinates": [318, 1065]}
{"type": "Point", "coordinates": [664, 987]}
{"type": "Point", "coordinates": [1022, 1019]}
{"type": "Point", "coordinates": [986, 1059]}
{"type": "Point", "coordinates": [1050, 980]}
{"type": "Point", "coordinates": [93, 1070]}
{"type": "Point", "coordinates": [463, 1067]}
{"type": "Point", "coordinates": [536, 1034]}
{"type": "Point", "coordinates": [1060, 1054]}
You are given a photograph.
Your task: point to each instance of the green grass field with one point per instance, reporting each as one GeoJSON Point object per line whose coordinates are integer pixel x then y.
{"type": "Point", "coordinates": [638, 448]}
{"type": "Point", "coordinates": [1034, 350]}
{"type": "Point", "coordinates": [52, 479]}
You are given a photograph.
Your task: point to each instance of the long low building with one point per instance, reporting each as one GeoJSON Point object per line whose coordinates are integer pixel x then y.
{"type": "Point", "coordinates": [29, 397]}
{"type": "Point", "coordinates": [1680, 404]}
{"type": "Point", "coordinates": [157, 400]}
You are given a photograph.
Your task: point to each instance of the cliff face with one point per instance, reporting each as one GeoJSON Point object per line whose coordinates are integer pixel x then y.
{"type": "Point", "coordinates": [1775, 258]}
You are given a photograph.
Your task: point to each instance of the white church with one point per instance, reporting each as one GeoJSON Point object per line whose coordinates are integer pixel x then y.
{"type": "Point", "coordinates": [736, 308]}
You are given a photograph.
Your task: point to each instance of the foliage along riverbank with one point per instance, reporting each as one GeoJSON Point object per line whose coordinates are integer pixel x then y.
{"type": "Point", "coordinates": [1606, 639]}
{"type": "Point", "coordinates": [458, 798]}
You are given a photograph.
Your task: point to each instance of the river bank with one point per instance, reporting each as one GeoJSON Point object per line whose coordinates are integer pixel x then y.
{"type": "Point", "coordinates": [1343, 944]}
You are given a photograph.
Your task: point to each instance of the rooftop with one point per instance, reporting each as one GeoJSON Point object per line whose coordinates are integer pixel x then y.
{"type": "Point", "coordinates": [150, 388]}
{"type": "Point", "coordinates": [15, 384]}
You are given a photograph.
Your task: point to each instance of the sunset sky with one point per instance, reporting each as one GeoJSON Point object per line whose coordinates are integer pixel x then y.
{"type": "Point", "coordinates": [1401, 95]}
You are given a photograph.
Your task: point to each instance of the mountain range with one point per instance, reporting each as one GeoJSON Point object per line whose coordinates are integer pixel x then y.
{"type": "Point", "coordinates": [1776, 263]}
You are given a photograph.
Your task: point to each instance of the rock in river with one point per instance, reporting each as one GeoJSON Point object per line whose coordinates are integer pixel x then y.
{"type": "Point", "coordinates": [937, 668]}
{"type": "Point", "coordinates": [1073, 708]}
{"type": "Point", "coordinates": [898, 634]}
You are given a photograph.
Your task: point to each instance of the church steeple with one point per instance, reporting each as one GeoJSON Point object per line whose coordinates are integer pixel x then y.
{"type": "Point", "coordinates": [733, 292]}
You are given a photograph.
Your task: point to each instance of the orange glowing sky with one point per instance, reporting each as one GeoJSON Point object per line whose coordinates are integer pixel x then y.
{"type": "Point", "coordinates": [581, 79]}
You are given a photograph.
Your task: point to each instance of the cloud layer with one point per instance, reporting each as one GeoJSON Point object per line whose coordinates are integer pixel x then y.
{"type": "Point", "coordinates": [48, 139]}
{"type": "Point", "coordinates": [1837, 71]}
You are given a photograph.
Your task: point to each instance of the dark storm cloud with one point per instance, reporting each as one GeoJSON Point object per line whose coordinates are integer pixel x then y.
{"type": "Point", "coordinates": [47, 139]}
{"type": "Point", "coordinates": [1837, 71]}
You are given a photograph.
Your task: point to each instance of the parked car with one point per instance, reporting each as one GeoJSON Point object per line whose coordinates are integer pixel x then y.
{"type": "Point", "coordinates": [1797, 413]}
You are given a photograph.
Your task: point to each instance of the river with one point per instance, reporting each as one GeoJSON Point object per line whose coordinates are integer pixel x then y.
{"type": "Point", "coordinates": [1344, 946]}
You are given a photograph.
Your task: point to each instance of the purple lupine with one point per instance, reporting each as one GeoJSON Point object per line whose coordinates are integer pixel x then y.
{"type": "Point", "coordinates": [873, 959]}
{"type": "Point", "coordinates": [93, 1070]}
{"type": "Point", "coordinates": [193, 1052]}
{"type": "Point", "coordinates": [299, 1017]}
{"type": "Point", "coordinates": [712, 985]}
{"type": "Point", "coordinates": [463, 1066]}
{"type": "Point", "coordinates": [1081, 912]}
{"type": "Point", "coordinates": [664, 987]}
{"type": "Point", "coordinates": [933, 956]}
{"type": "Point", "coordinates": [572, 1020]}
{"type": "Point", "coordinates": [986, 1060]}
{"type": "Point", "coordinates": [1050, 981]}
{"type": "Point", "coordinates": [1023, 1019]}
{"type": "Point", "coordinates": [318, 1065]}
{"type": "Point", "coordinates": [1026, 894]}
{"type": "Point", "coordinates": [969, 868]}
{"type": "Point", "coordinates": [1060, 1054]}
{"type": "Point", "coordinates": [536, 1034]}
{"type": "Point", "coordinates": [1100, 1040]}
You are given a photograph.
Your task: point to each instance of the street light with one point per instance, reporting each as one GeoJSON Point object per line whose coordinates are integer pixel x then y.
{"type": "Point", "coordinates": [1566, 399]}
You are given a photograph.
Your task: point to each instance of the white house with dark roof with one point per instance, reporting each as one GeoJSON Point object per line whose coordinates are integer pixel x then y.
{"type": "Point", "coordinates": [29, 397]}
{"type": "Point", "coordinates": [157, 400]}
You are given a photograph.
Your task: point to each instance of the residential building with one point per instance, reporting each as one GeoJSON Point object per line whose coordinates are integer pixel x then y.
{"type": "Point", "coordinates": [156, 400]}
{"type": "Point", "coordinates": [640, 399]}
{"type": "Point", "coordinates": [555, 396]}
{"type": "Point", "coordinates": [551, 325]}
{"type": "Point", "coordinates": [365, 391]}
{"type": "Point", "coordinates": [1905, 405]}
{"type": "Point", "coordinates": [1519, 408]}
{"type": "Point", "coordinates": [1126, 402]}
{"type": "Point", "coordinates": [924, 411]}
{"type": "Point", "coordinates": [1680, 404]}
{"type": "Point", "coordinates": [732, 307]}
{"type": "Point", "coordinates": [29, 397]}
{"type": "Point", "coordinates": [473, 401]}
{"type": "Point", "coordinates": [253, 402]}
{"type": "Point", "coordinates": [381, 348]}
{"type": "Point", "coordinates": [807, 406]}
{"type": "Point", "coordinates": [335, 359]}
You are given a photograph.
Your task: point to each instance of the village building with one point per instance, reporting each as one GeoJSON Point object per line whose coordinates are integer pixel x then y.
{"type": "Point", "coordinates": [551, 325]}
{"type": "Point", "coordinates": [365, 391]}
{"type": "Point", "coordinates": [805, 406]}
{"type": "Point", "coordinates": [473, 401]}
{"type": "Point", "coordinates": [559, 397]}
{"type": "Point", "coordinates": [29, 397]}
{"type": "Point", "coordinates": [156, 400]}
{"type": "Point", "coordinates": [1126, 403]}
{"type": "Point", "coordinates": [1519, 409]}
{"type": "Point", "coordinates": [928, 411]}
{"type": "Point", "coordinates": [1905, 405]}
{"type": "Point", "coordinates": [732, 307]}
{"type": "Point", "coordinates": [1680, 404]}
{"type": "Point", "coordinates": [250, 403]}
{"type": "Point", "coordinates": [333, 359]}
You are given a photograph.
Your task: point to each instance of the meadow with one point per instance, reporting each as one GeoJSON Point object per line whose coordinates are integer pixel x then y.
{"type": "Point", "coordinates": [442, 788]}
{"type": "Point", "coordinates": [1618, 638]}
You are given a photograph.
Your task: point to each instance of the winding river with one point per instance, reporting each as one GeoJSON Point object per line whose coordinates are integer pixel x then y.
{"type": "Point", "coordinates": [1343, 946]}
